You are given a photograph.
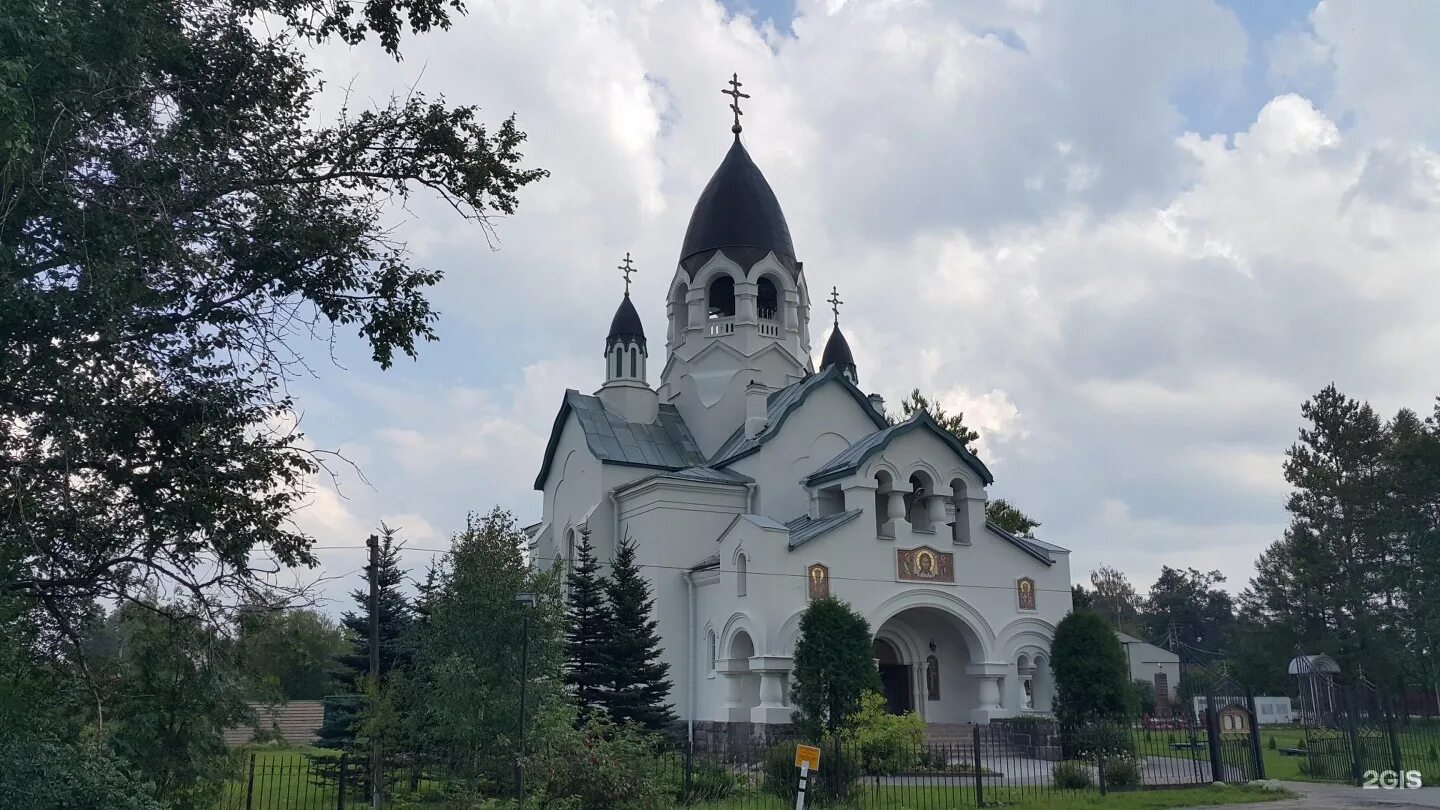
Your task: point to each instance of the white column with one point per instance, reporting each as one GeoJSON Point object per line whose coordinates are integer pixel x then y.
{"type": "Point", "coordinates": [894, 513]}
{"type": "Point", "coordinates": [774, 671]}
{"type": "Point", "coordinates": [991, 677]}
{"type": "Point", "coordinates": [935, 504]}
{"type": "Point", "coordinates": [734, 671]}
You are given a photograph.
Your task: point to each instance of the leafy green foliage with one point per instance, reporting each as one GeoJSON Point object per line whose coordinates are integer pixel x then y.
{"type": "Point", "coordinates": [587, 641]}
{"type": "Point", "coordinates": [951, 423]}
{"type": "Point", "coordinates": [179, 689]}
{"type": "Point", "coordinates": [1072, 774]}
{"type": "Point", "coordinates": [834, 665]}
{"type": "Point", "coordinates": [173, 222]}
{"type": "Point", "coordinates": [1114, 598]}
{"type": "Point", "coordinates": [1091, 677]}
{"type": "Point", "coordinates": [888, 743]}
{"type": "Point", "coordinates": [54, 775]}
{"type": "Point", "coordinates": [1123, 773]}
{"type": "Point", "coordinates": [637, 680]}
{"type": "Point", "coordinates": [463, 698]}
{"type": "Point", "coordinates": [1141, 699]}
{"type": "Point", "coordinates": [1188, 607]}
{"type": "Point", "coordinates": [598, 765]}
{"type": "Point", "coordinates": [289, 654]}
{"type": "Point", "coordinates": [1355, 574]}
{"type": "Point", "coordinates": [1009, 517]}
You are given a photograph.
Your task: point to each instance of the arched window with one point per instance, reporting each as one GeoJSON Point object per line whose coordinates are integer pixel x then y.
{"type": "Point", "coordinates": [680, 312]}
{"type": "Point", "coordinates": [634, 364]}
{"type": "Point", "coordinates": [917, 502]}
{"type": "Point", "coordinates": [721, 297]}
{"type": "Point", "coordinates": [710, 651]}
{"type": "Point", "coordinates": [569, 546]}
{"type": "Point", "coordinates": [740, 566]}
{"type": "Point", "coordinates": [619, 360]}
{"type": "Point", "coordinates": [769, 303]}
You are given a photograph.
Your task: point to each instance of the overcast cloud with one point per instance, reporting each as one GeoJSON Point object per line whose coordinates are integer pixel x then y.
{"type": "Point", "coordinates": [1127, 239]}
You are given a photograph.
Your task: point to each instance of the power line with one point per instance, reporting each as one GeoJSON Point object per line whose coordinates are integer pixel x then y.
{"type": "Point", "coordinates": [800, 575]}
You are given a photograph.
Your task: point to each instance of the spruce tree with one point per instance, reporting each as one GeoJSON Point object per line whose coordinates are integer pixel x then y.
{"type": "Point", "coordinates": [396, 616]}
{"type": "Point", "coordinates": [834, 665]}
{"type": "Point", "coordinates": [637, 678]}
{"type": "Point", "coordinates": [588, 636]}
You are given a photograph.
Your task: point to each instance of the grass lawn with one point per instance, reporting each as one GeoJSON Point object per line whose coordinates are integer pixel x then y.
{"type": "Point", "coordinates": [1416, 745]}
{"type": "Point", "coordinates": [922, 798]}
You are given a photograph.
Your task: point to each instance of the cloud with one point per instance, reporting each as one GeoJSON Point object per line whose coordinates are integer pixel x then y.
{"type": "Point", "coordinates": [1005, 195]}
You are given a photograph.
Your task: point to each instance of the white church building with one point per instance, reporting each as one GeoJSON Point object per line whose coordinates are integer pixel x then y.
{"type": "Point", "coordinates": [751, 483]}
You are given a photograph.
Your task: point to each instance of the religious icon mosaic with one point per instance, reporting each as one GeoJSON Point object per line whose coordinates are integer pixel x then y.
{"type": "Point", "coordinates": [924, 564]}
{"type": "Point", "coordinates": [818, 577]}
{"type": "Point", "coordinates": [1025, 593]}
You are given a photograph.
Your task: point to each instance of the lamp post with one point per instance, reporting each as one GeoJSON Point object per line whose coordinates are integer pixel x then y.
{"type": "Point", "coordinates": [525, 601]}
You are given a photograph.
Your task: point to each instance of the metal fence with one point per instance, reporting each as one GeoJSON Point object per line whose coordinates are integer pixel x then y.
{"type": "Point", "coordinates": [1362, 733]}
{"type": "Point", "coordinates": [972, 766]}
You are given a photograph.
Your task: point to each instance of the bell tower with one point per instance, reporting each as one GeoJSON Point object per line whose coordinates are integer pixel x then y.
{"type": "Point", "coordinates": [739, 307]}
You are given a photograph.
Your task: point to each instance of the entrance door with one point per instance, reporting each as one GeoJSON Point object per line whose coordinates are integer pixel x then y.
{"type": "Point", "coordinates": [894, 678]}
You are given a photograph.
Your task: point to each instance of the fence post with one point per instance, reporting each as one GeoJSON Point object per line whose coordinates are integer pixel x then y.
{"type": "Point", "coordinates": [975, 755]}
{"type": "Point", "coordinates": [1256, 749]}
{"type": "Point", "coordinates": [1357, 756]}
{"type": "Point", "coordinates": [250, 785]}
{"type": "Point", "coordinates": [340, 800]}
{"type": "Point", "coordinates": [1212, 735]}
{"type": "Point", "coordinates": [1100, 754]}
{"type": "Point", "coordinates": [1387, 709]}
{"type": "Point", "coordinates": [689, 770]}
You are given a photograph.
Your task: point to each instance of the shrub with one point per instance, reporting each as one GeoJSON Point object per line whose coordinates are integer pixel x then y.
{"type": "Point", "coordinates": [887, 743]}
{"type": "Point", "coordinates": [710, 781]}
{"type": "Point", "coordinates": [1072, 775]}
{"type": "Point", "coordinates": [834, 665]}
{"type": "Point", "coordinates": [835, 784]}
{"type": "Point", "coordinates": [1300, 744]}
{"type": "Point", "coordinates": [599, 766]}
{"type": "Point", "coordinates": [1434, 755]}
{"type": "Point", "coordinates": [1272, 746]}
{"type": "Point", "coordinates": [1122, 772]}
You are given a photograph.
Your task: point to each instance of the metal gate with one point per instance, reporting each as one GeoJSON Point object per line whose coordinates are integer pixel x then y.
{"type": "Point", "coordinates": [1355, 731]}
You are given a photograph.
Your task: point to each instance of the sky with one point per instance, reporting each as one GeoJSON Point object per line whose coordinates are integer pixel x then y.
{"type": "Point", "coordinates": [1127, 239]}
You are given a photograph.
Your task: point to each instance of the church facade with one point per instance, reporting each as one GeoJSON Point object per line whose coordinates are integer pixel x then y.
{"type": "Point", "coordinates": [752, 483]}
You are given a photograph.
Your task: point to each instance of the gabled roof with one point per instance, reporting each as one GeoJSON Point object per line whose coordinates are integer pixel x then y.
{"type": "Point", "coordinates": [713, 561]}
{"type": "Point", "coordinates": [852, 457]}
{"type": "Point", "coordinates": [804, 528]}
{"type": "Point", "coordinates": [1025, 544]}
{"type": "Point", "coordinates": [778, 407]}
{"type": "Point", "coordinates": [704, 475]}
{"type": "Point", "coordinates": [665, 444]}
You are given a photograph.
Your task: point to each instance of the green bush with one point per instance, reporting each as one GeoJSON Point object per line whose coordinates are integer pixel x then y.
{"type": "Point", "coordinates": [1122, 772]}
{"type": "Point", "coordinates": [710, 781]}
{"type": "Point", "coordinates": [836, 782]}
{"type": "Point", "coordinates": [600, 766]}
{"type": "Point", "coordinates": [887, 743]}
{"type": "Point", "coordinates": [1072, 775]}
{"type": "Point", "coordinates": [1272, 744]}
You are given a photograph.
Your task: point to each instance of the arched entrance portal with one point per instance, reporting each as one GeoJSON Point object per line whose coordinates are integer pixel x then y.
{"type": "Point", "coordinates": [894, 678]}
{"type": "Point", "coordinates": [924, 654]}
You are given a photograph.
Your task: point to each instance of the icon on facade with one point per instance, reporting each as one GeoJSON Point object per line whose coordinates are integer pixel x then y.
{"type": "Point", "coordinates": [819, 579]}
{"type": "Point", "coordinates": [1025, 592]}
{"type": "Point", "coordinates": [925, 564]}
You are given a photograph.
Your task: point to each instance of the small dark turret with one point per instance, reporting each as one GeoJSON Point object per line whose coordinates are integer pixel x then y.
{"type": "Point", "coordinates": [837, 348]}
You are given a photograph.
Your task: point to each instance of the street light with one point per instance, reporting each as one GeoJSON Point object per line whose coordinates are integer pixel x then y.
{"type": "Point", "coordinates": [525, 601]}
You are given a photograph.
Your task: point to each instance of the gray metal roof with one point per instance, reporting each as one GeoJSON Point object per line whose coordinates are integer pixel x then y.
{"type": "Point", "coordinates": [713, 561]}
{"type": "Point", "coordinates": [855, 455]}
{"type": "Point", "coordinates": [708, 475]}
{"type": "Point", "coordinates": [804, 528]}
{"type": "Point", "coordinates": [1025, 544]}
{"type": "Point", "coordinates": [779, 405]}
{"type": "Point", "coordinates": [665, 444]}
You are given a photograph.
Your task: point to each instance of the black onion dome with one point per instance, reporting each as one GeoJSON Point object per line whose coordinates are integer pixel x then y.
{"type": "Point", "coordinates": [626, 324]}
{"type": "Point", "coordinates": [737, 212]}
{"type": "Point", "coordinates": [837, 351]}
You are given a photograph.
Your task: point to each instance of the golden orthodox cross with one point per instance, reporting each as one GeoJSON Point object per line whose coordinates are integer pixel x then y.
{"type": "Point", "coordinates": [625, 270]}
{"type": "Point", "coordinates": [735, 96]}
{"type": "Point", "coordinates": [835, 303]}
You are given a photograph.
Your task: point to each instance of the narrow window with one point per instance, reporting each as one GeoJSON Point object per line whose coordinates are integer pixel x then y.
{"type": "Point", "coordinates": [710, 651]}
{"type": "Point", "coordinates": [769, 300]}
{"type": "Point", "coordinates": [722, 297]}
{"type": "Point", "coordinates": [619, 359]}
{"type": "Point", "coordinates": [740, 566]}
{"type": "Point", "coordinates": [634, 365]}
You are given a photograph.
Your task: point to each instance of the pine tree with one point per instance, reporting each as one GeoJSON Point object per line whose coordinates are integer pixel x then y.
{"type": "Point", "coordinates": [396, 616]}
{"type": "Point", "coordinates": [637, 678]}
{"type": "Point", "coordinates": [588, 637]}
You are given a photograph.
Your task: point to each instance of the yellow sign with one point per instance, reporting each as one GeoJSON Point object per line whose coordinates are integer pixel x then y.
{"type": "Point", "coordinates": [807, 755]}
